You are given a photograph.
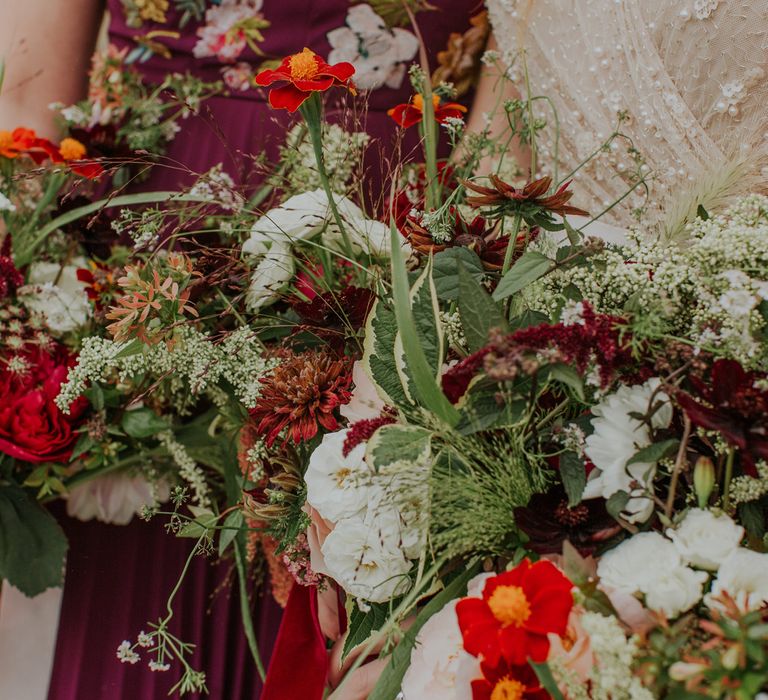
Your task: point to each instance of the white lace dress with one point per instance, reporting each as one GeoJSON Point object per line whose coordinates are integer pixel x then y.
{"type": "Point", "coordinates": [690, 76]}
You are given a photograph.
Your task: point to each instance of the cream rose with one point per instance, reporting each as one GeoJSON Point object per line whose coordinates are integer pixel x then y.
{"type": "Point", "coordinates": [704, 539]}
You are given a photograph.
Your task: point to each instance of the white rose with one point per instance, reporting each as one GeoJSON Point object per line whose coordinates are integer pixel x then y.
{"type": "Point", "coordinates": [368, 563]}
{"type": "Point", "coordinates": [635, 565]}
{"type": "Point", "coordinates": [337, 486]}
{"type": "Point", "coordinates": [705, 539]}
{"type": "Point", "coordinates": [56, 293]}
{"type": "Point", "coordinates": [675, 591]}
{"type": "Point", "coordinates": [617, 437]}
{"type": "Point", "coordinates": [743, 574]}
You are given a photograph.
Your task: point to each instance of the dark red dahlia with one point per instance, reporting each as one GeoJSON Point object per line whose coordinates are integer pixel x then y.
{"type": "Point", "coordinates": [301, 395]}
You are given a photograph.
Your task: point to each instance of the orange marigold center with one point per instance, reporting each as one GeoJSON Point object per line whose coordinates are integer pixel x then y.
{"type": "Point", "coordinates": [509, 606]}
{"type": "Point", "coordinates": [418, 101]}
{"type": "Point", "coordinates": [72, 149]}
{"type": "Point", "coordinates": [304, 65]}
{"type": "Point", "coordinates": [508, 689]}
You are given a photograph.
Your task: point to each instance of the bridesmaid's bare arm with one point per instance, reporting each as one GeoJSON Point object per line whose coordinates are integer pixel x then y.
{"type": "Point", "coordinates": [46, 46]}
{"type": "Point", "coordinates": [491, 94]}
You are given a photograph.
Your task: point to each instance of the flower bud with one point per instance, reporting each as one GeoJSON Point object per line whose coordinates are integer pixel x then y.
{"type": "Point", "coordinates": [703, 480]}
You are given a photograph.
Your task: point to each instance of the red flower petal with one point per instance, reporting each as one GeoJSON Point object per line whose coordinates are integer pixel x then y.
{"type": "Point", "coordinates": [287, 97]}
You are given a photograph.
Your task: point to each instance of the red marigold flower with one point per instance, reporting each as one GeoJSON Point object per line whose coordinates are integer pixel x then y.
{"type": "Point", "coordinates": [305, 73]}
{"type": "Point", "coordinates": [301, 395]}
{"type": "Point", "coordinates": [519, 608]}
{"type": "Point", "coordinates": [508, 682]}
{"type": "Point", "coordinates": [410, 113]}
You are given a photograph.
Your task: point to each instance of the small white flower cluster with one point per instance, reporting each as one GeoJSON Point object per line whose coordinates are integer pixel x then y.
{"type": "Point", "coordinates": [439, 224]}
{"type": "Point", "coordinates": [217, 186]}
{"type": "Point", "coordinates": [572, 438]}
{"type": "Point", "coordinates": [377, 517]}
{"type": "Point", "coordinates": [189, 471]}
{"type": "Point", "coordinates": [612, 677]}
{"type": "Point", "coordinates": [342, 151]}
{"type": "Point", "coordinates": [713, 290]}
{"type": "Point", "coordinates": [748, 488]}
{"type": "Point", "coordinates": [193, 365]}
{"type": "Point", "coordinates": [126, 653]}
{"type": "Point", "coordinates": [454, 331]}
{"type": "Point", "coordinates": [255, 458]}
{"type": "Point", "coordinates": [143, 227]}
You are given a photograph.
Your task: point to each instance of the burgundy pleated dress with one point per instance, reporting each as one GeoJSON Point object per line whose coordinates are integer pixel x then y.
{"type": "Point", "coordinates": [117, 577]}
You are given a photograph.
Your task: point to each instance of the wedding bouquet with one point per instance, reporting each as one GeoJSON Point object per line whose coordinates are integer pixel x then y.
{"type": "Point", "coordinates": [524, 462]}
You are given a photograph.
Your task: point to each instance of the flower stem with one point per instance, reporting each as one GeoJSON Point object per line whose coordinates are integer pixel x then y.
{"type": "Point", "coordinates": [311, 111]}
{"type": "Point", "coordinates": [245, 610]}
{"type": "Point", "coordinates": [511, 244]}
{"type": "Point", "coordinates": [727, 479]}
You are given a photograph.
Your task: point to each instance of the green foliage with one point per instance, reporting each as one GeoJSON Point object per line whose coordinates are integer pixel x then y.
{"type": "Point", "coordinates": [142, 423]}
{"type": "Point", "coordinates": [416, 364]}
{"type": "Point", "coordinates": [478, 312]}
{"type": "Point", "coordinates": [398, 443]}
{"type": "Point", "coordinates": [653, 453]}
{"type": "Point", "coordinates": [363, 625]}
{"type": "Point", "coordinates": [379, 353]}
{"type": "Point", "coordinates": [527, 269]}
{"type": "Point", "coordinates": [477, 481]}
{"type": "Point", "coordinates": [574, 477]}
{"type": "Point", "coordinates": [445, 270]}
{"type": "Point", "coordinates": [32, 545]}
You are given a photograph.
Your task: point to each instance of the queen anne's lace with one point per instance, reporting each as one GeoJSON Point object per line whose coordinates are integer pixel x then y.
{"type": "Point", "coordinates": [689, 75]}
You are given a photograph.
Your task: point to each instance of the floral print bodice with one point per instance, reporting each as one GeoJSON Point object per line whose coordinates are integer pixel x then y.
{"type": "Point", "coordinates": [232, 40]}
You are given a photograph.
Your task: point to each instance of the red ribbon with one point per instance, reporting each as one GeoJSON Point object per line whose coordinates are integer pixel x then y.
{"type": "Point", "coordinates": [299, 664]}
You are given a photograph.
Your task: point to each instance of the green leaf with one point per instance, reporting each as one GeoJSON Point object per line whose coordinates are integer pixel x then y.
{"type": "Point", "coordinates": [388, 685]}
{"type": "Point", "coordinates": [32, 545]}
{"type": "Point", "coordinates": [445, 270]}
{"type": "Point", "coordinates": [574, 477]}
{"type": "Point", "coordinates": [547, 680]}
{"type": "Point", "coordinates": [398, 443]}
{"type": "Point", "coordinates": [203, 521]}
{"type": "Point", "coordinates": [142, 423]}
{"type": "Point", "coordinates": [616, 503]}
{"type": "Point", "coordinates": [653, 453]}
{"type": "Point", "coordinates": [379, 353]}
{"type": "Point", "coordinates": [753, 516]}
{"type": "Point", "coordinates": [83, 444]}
{"type": "Point", "coordinates": [429, 391]}
{"type": "Point", "coordinates": [363, 625]}
{"type": "Point", "coordinates": [528, 268]}
{"type": "Point", "coordinates": [478, 312]}
{"type": "Point", "coordinates": [426, 316]}
{"type": "Point", "coordinates": [134, 347]}
{"type": "Point", "coordinates": [568, 376]}
{"type": "Point", "coordinates": [702, 213]}
{"type": "Point", "coordinates": [232, 525]}
{"type": "Point", "coordinates": [95, 394]}
{"type": "Point", "coordinates": [528, 319]}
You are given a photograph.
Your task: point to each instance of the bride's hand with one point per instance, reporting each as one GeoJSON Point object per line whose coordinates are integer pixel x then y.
{"type": "Point", "coordinates": [358, 684]}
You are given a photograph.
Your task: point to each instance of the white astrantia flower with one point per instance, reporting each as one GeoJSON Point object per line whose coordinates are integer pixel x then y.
{"type": "Point", "coordinates": [271, 275]}
{"type": "Point", "coordinates": [366, 561]}
{"type": "Point", "coordinates": [617, 437]}
{"type": "Point", "coordinates": [55, 292]}
{"type": "Point", "coordinates": [650, 564]}
{"type": "Point", "coordinates": [378, 53]}
{"type": "Point", "coordinates": [743, 574]}
{"type": "Point", "coordinates": [704, 539]}
{"type": "Point", "coordinates": [114, 498]}
{"type": "Point", "coordinates": [337, 486]}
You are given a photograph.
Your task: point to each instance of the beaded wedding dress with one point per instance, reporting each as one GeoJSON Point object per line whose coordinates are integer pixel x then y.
{"type": "Point", "coordinates": [690, 78]}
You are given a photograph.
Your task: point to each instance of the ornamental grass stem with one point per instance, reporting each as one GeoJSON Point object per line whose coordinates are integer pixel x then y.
{"type": "Point", "coordinates": [727, 479]}
{"type": "Point", "coordinates": [511, 244]}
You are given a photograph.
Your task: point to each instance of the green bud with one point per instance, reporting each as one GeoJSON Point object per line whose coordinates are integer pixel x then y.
{"type": "Point", "coordinates": [703, 480]}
